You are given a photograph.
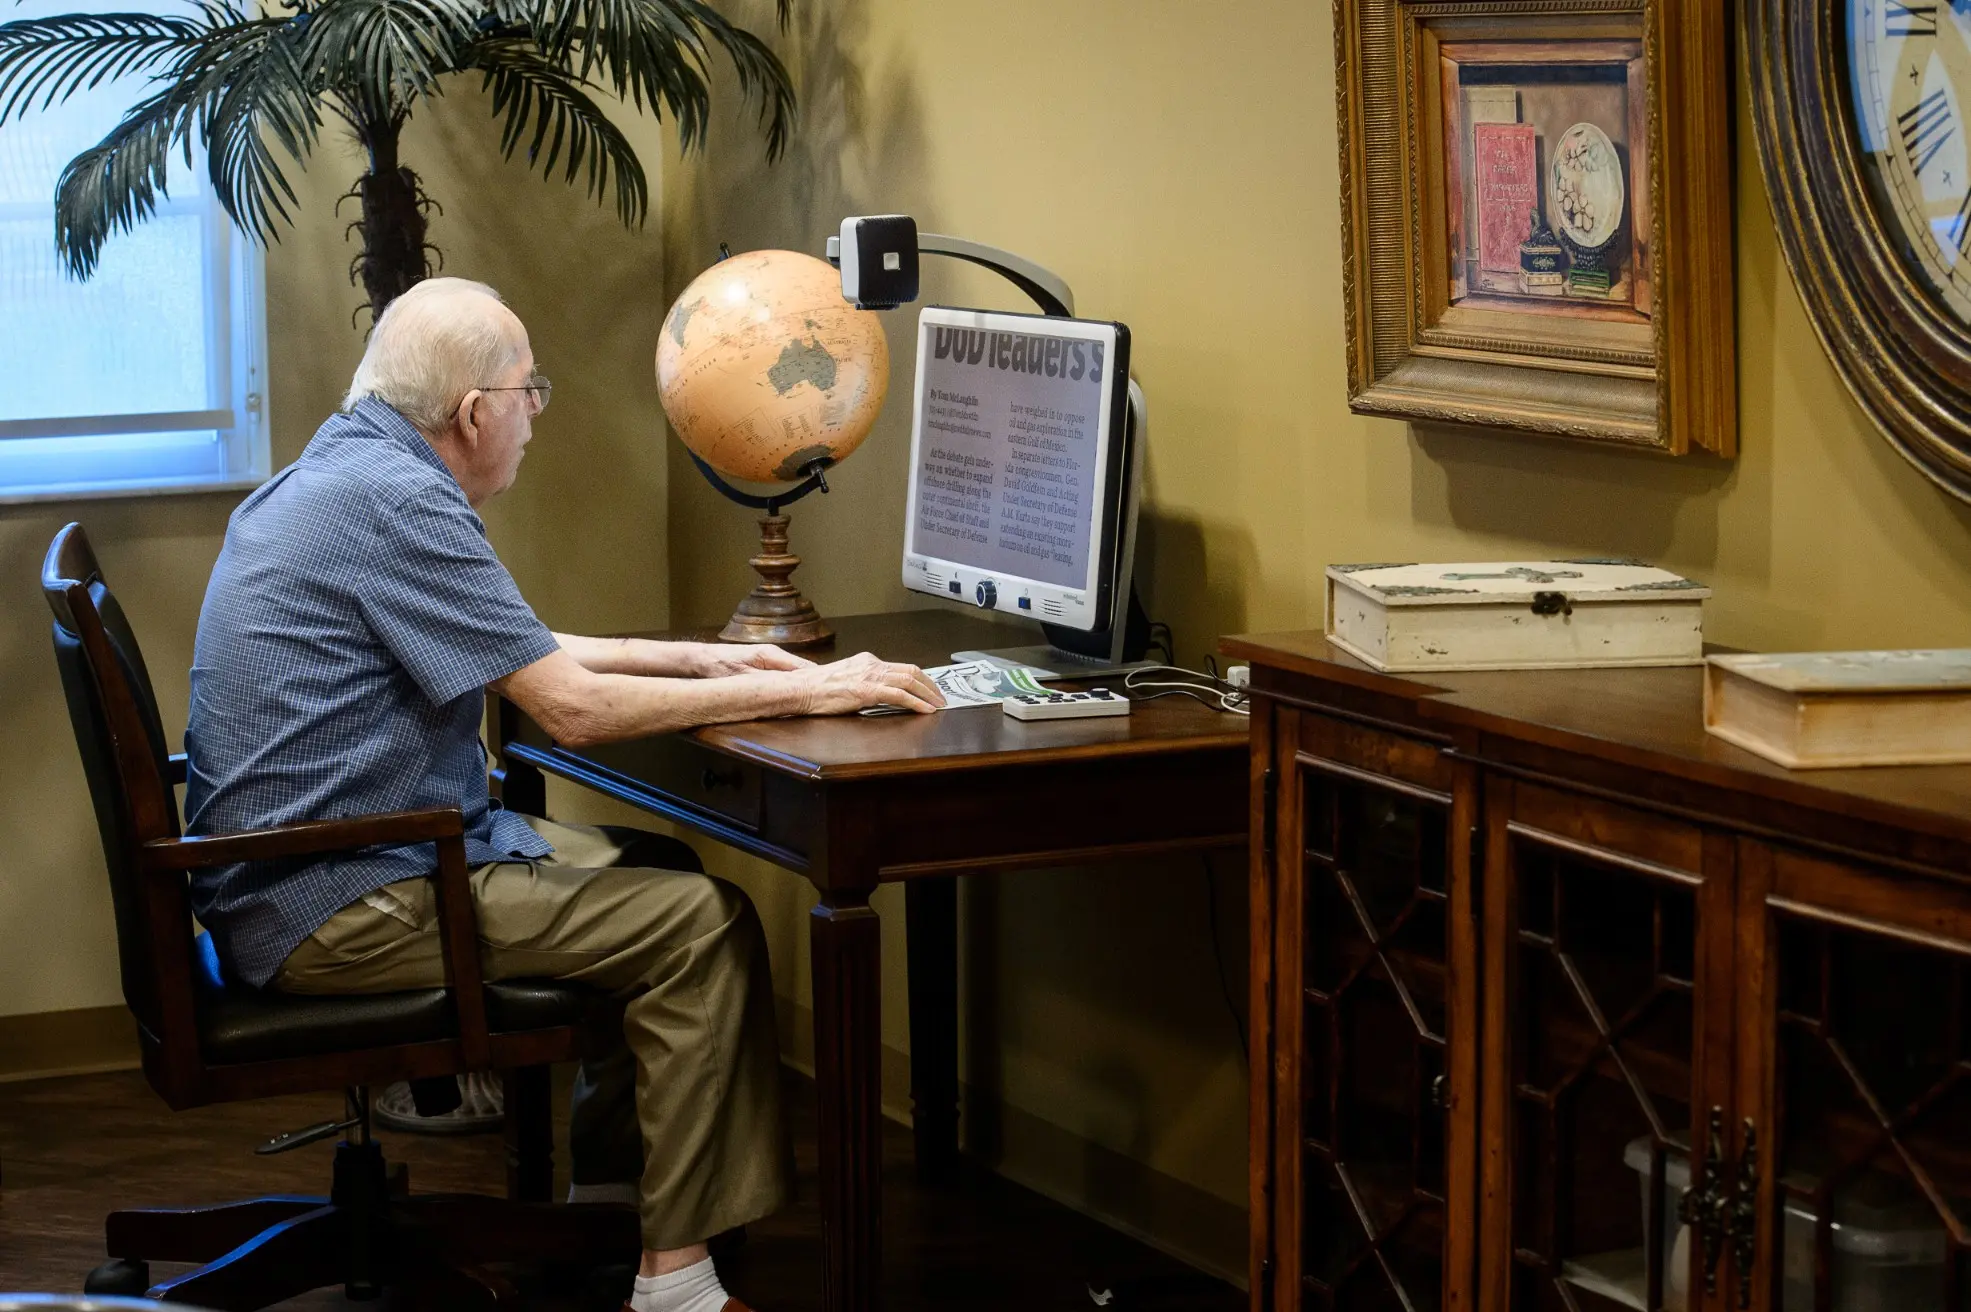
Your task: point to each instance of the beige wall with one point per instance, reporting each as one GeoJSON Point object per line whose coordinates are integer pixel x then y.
{"type": "Point", "coordinates": [583, 531]}
{"type": "Point", "coordinates": [1175, 161]}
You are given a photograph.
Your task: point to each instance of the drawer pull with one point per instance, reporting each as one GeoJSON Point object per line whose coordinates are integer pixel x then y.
{"type": "Point", "coordinates": [712, 780]}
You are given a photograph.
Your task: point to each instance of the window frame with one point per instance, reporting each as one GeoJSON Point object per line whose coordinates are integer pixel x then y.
{"type": "Point", "coordinates": [235, 324]}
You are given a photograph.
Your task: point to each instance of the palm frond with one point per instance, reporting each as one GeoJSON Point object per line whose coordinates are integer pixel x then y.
{"type": "Point", "coordinates": [534, 93]}
{"type": "Point", "coordinates": [114, 185]}
{"type": "Point", "coordinates": [760, 71]}
{"type": "Point", "coordinates": [259, 96]}
{"type": "Point", "coordinates": [53, 58]}
{"type": "Point", "coordinates": [386, 54]}
{"type": "Point", "coordinates": [229, 85]}
{"type": "Point", "coordinates": [658, 53]}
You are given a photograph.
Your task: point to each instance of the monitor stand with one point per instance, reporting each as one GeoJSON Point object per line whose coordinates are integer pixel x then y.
{"type": "Point", "coordinates": [1069, 654]}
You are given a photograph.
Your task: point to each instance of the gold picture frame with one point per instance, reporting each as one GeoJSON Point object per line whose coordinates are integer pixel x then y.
{"type": "Point", "coordinates": [1536, 217]}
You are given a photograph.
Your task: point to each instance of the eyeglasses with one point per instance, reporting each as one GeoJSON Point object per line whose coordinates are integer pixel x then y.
{"type": "Point", "coordinates": [538, 391]}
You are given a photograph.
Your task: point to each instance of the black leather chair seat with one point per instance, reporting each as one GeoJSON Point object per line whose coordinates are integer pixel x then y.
{"type": "Point", "coordinates": [245, 1025]}
{"type": "Point", "coordinates": [240, 1024]}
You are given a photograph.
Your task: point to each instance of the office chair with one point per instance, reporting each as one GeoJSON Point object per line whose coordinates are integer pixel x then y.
{"type": "Point", "coordinates": [207, 1041]}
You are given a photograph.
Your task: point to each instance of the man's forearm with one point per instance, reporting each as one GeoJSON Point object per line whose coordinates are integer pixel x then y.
{"type": "Point", "coordinates": [631, 655]}
{"type": "Point", "coordinates": [617, 706]}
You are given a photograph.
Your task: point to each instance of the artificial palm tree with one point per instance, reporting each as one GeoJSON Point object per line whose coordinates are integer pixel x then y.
{"type": "Point", "coordinates": [251, 85]}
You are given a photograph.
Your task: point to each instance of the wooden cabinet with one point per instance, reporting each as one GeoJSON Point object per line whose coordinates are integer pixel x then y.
{"type": "Point", "coordinates": [1561, 1004]}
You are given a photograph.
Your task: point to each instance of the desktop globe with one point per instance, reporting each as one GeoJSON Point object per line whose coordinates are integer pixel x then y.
{"type": "Point", "coordinates": [769, 376]}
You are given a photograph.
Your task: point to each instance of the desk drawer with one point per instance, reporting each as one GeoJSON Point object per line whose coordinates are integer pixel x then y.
{"type": "Point", "coordinates": [686, 772]}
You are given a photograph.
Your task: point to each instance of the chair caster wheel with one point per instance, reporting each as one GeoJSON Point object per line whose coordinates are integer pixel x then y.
{"type": "Point", "coordinates": [118, 1276]}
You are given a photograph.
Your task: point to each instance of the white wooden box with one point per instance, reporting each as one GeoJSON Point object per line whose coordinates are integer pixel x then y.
{"type": "Point", "coordinates": [1515, 615]}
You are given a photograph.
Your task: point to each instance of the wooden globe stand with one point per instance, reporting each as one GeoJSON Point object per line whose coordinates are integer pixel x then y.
{"type": "Point", "coordinates": [774, 611]}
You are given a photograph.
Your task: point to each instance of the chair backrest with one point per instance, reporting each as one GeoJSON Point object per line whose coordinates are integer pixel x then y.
{"type": "Point", "coordinates": [124, 754]}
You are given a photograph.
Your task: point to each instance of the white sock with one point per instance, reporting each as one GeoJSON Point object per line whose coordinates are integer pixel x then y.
{"type": "Point", "coordinates": [694, 1289]}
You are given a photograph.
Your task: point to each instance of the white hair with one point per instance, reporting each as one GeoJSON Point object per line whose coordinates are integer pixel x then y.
{"type": "Point", "coordinates": [431, 346]}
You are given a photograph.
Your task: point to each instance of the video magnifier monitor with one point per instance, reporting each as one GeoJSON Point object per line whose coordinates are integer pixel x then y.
{"type": "Point", "coordinates": [1017, 450]}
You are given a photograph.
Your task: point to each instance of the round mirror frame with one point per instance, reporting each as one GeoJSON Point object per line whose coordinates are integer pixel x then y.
{"type": "Point", "coordinates": [1905, 358]}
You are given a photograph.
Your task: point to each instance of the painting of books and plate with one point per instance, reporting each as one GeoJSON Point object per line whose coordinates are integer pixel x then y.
{"type": "Point", "coordinates": [1546, 177]}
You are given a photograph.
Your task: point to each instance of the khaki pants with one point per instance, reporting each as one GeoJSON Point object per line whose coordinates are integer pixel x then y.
{"type": "Point", "coordinates": [689, 1105]}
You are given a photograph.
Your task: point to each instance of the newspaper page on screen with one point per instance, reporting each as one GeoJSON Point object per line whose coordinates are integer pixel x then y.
{"type": "Point", "coordinates": [1010, 450]}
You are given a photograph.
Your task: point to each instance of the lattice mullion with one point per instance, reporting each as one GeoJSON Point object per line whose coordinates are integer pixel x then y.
{"type": "Point", "coordinates": [1556, 907]}
{"type": "Point", "coordinates": [1337, 1120]}
{"type": "Point", "coordinates": [1376, 955]}
{"type": "Point", "coordinates": [1656, 933]}
{"type": "Point", "coordinates": [1374, 1249]}
{"type": "Point", "coordinates": [1395, 1282]}
{"type": "Point", "coordinates": [1354, 1264]}
{"type": "Point", "coordinates": [1889, 1135]}
{"type": "Point", "coordinates": [1884, 1135]}
{"type": "Point", "coordinates": [1559, 1118]}
{"type": "Point", "coordinates": [1954, 1021]}
{"type": "Point", "coordinates": [1396, 981]}
{"type": "Point", "coordinates": [1826, 941]}
{"type": "Point", "coordinates": [1605, 1047]}
{"type": "Point", "coordinates": [1377, 937]}
{"type": "Point", "coordinates": [1643, 1100]}
{"type": "Point", "coordinates": [1572, 973]}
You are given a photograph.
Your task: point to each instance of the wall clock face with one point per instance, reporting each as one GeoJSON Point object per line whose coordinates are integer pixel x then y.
{"type": "Point", "coordinates": [1862, 110]}
{"type": "Point", "coordinates": [1910, 69]}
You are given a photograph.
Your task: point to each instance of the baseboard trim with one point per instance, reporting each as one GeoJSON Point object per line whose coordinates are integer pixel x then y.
{"type": "Point", "coordinates": [1170, 1215]}
{"type": "Point", "coordinates": [45, 1044]}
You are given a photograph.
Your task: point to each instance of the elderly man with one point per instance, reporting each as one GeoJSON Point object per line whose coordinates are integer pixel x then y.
{"type": "Point", "coordinates": [354, 619]}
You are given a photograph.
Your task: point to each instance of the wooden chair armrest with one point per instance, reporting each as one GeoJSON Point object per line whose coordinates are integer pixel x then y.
{"type": "Point", "coordinates": [175, 766]}
{"type": "Point", "coordinates": [305, 838]}
{"type": "Point", "coordinates": [458, 941]}
{"type": "Point", "coordinates": [458, 926]}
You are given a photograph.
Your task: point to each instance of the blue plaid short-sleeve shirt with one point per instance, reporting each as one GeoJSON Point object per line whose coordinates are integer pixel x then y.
{"type": "Point", "coordinates": [355, 615]}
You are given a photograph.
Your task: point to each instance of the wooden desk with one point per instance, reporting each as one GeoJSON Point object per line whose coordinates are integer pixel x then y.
{"type": "Point", "coordinates": [852, 802]}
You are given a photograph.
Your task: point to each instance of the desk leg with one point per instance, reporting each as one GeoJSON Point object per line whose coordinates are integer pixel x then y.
{"type": "Point", "coordinates": [931, 918]}
{"type": "Point", "coordinates": [848, 1077]}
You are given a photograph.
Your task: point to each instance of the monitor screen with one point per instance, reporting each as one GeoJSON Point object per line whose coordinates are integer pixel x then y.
{"type": "Point", "coordinates": [1016, 450]}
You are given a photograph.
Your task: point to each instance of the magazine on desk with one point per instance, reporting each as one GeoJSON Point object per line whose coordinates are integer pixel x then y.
{"type": "Point", "coordinates": [973, 683]}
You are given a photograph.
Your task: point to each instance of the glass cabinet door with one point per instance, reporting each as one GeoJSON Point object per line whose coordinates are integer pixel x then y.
{"type": "Point", "coordinates": [1865, 1008]}
{"type": "Point", "coordinates": [1600, 1095]}
{"type": "Point", "coordinates": [1375, 862]}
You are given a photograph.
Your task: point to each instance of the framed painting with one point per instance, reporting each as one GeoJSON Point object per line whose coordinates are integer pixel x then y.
{"type": "Point", "coordinates": [1536, 208]}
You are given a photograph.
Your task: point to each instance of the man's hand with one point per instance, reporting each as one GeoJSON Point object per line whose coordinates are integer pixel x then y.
{"type": "Point", "coordinates": [863, 680]}
{"type": "Point", "coordinates": [713, 660]}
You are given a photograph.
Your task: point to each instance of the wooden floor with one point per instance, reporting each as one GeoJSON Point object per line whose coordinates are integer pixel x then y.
{"type": "Point", "coordinates": [73, 1149]}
